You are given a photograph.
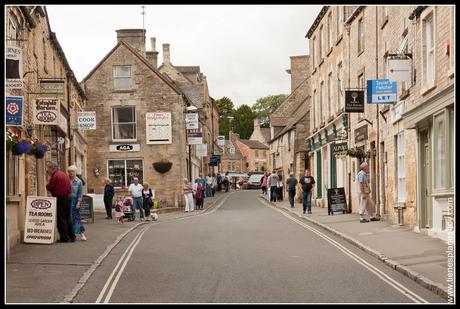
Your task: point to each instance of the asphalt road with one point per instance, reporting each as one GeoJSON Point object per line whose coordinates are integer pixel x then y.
{"type": "Point", "coordinates": [244, 251]}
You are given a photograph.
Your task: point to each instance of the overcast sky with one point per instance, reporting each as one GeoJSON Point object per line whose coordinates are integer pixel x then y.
{"type": "Point", "coordinates": [243, 50]}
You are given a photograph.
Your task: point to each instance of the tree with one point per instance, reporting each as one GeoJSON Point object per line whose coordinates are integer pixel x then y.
{"type": "Point", "coordinates": [243, 124]}
{"type": "Point", "coordinates": [265, 106]}
{"type": "Point", "coordinates": [226, 110]}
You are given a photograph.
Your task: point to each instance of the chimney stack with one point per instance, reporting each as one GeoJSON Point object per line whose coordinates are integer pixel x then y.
{"type": "Point", "coordinates": [166, 58]}
{"type": "Point", "coordinates": [299, 70]}
{"type": "Point", "coordinates": [134, 38]}
{"type": "Point", "coordinates": [152, 56]}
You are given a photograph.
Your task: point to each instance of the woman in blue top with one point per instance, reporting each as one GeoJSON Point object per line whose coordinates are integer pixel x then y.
{"type": "Point", "coordinates": [75, 201]}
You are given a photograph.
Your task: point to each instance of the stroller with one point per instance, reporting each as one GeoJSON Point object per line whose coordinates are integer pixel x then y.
{"type": "Point", "coordinates": [128, 209]}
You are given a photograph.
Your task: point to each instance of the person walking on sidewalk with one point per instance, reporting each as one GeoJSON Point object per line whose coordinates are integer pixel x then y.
{"type": "Point", "coordinates": [365, 200]}
{"type": "Point", "coordinates": [188, 195]}
{"type": "Point", "coordinates": [75, 202]}
{"type": "Point", "coordinates": [136, 193]}
{"type": "Point", "coordinates": [59, 186]}
{"type": "Point", "coordinates": [307, 182]}
{"type": "Point", "coordinates": [273, 182]}
{"type": "Point", "coordinates": [147, 200]}
{"type": "Point", "coordinates": [198, 193]}
{"type": "Point", "coordinates": [226, 182]}
{"type": "Point", "coordinates": [109, 192]}
{"type": "Point", "coordinates": [208, 184]}
{"type": "Point", "coordinates": [263, 183]}
{"type": "Point", "coordinates": [280, 187]}
{"type": "Point", "coordinates": [291, 184]}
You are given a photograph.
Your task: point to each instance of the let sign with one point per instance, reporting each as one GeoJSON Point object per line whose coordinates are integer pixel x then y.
{"type": "Point", "coordinates": [381, 91]}
{"type": "Point", "coordinates": [86, 121]}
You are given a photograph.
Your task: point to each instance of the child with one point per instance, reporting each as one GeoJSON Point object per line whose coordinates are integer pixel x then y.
{"type": "Point", "coordinates": [119, 208]}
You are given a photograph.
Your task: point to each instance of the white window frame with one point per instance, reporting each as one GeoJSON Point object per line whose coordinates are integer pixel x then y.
{"type": "Point", "coordinates": [329, 32]}
{"type": "Point", "coordinates": [121, 77]}
{"type": "Point", "coordinates": [321, 88]}
{"type": "Point", "coordinates": [428, 79]}
{"type": "Point", "coordinates": [339, 21]}
{"type": "Point", "coordinates": [329, 95]}
{"type": "Point", "coordinates": [361, 35]}
{"type": "Point", "coordinates": [320, 43]}
{"type": "Point", "coordinates": [113, 124]}
{"type": "Point", "coordinates": [125, 173]}
{"type": "Point", "coordinates": [400, 168]}
{"type": "Point", "coordinates": [449, 161]}
{"type": "Point", "coordinates": [339, 86]}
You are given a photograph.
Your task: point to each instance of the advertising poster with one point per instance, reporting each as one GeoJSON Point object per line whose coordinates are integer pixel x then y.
{"type": "Point", "coordinates": [159, 129]}
{"type": "Point", "coordinates": [40, 220]}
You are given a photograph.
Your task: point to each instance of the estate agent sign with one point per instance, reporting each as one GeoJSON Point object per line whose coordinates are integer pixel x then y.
{"type": "Point", "coordinates": [381, 91]}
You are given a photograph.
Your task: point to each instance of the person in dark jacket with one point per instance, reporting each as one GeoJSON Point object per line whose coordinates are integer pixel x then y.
{"type": "Point", "coordinates": [109, 192]}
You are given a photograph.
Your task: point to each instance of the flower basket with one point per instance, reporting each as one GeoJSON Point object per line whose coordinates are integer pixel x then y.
{"type": "Point", "coordinates": [162, 166]}
{"type": "Point", "coordinates": [39, 150]}
{"type": "Point", "coordinates": [356, 153]}
{"type": "Point", "coordinates": [21, 147]}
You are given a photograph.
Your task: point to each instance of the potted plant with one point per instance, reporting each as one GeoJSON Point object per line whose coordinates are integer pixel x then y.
{"type": "Point", "coordinates": [12, 140]}
{"type": "Point", "coordinates": [39, 150]}
{"type": "Point", "coordinates": [162, 166]}
{"type": "Point", "coordinates": [356, 153]}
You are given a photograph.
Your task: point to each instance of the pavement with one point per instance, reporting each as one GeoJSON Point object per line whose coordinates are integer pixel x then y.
{"type": "Point", "coordinates": [421, 258]}
{"type": "Point", "coordinates": [37, 273]}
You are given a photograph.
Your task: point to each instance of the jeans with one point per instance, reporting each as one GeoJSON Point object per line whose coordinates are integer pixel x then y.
{"type": "Point", "coordinates": [208, 191]}
{"type": "Point", "coordinates": [306, 201]}
{"type": "Point", "coordinates": [137, 201]}
{"type": "Point", "coordinates": [273, 193]}
{"type": "Point", "coordinates": [291, 197]}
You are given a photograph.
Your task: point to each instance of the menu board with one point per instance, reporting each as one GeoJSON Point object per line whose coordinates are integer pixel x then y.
{"type": "Point", "coordinates": [336, 200]}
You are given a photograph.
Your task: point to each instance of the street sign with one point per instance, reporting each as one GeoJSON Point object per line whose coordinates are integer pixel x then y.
{"type": "Point", "coordinates": [336, 200]}
{"type": "Point", "coordinates": [381, 91]}
{"type": "Point", "coordinates": [14, 111]}
{"type": "Point", "coordinates": [86, 121]}
{"type": "Point", "coordinates": [354, 101]}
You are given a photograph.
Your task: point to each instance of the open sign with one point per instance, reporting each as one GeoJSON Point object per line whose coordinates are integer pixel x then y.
{"type": "Point", "coordinates": [40, 204]}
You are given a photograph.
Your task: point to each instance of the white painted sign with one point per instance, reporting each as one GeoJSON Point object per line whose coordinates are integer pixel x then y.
{"type": "Point", "coordinates": [40, 220]}
{"type": "Point", "coordinates": [399, 70]}
{"type": "Point", "coordinates": [194, 137]}
{"type": "Point", "coordinates": [86, 121]}
{"type": "Point", "coordinates": [202, 150]}
{"type": "Point", "coordinates": [124, 147]}
{"type": "Point", "coordinates": [47, 111]}
{"type": "Point", "coordinates": [63, 121]}
{"type": "Point", "coordinates": [159, 129]}
{"type": "Point", "coordinates": [191, 121]}
{"type": "Point", "coordinates": [397, 111]}
{"type": "Point", "coordinates": [221, 140]}
{"type": "Point", "coordinates": [13, 78]}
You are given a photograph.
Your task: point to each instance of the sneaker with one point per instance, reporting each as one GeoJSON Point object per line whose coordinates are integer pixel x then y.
{"type": "Point", "coordinates": [375, 219]}
{"type": "Point", "coordinates": [362, 220]}
{"type": "Point", "coordinates": [83, 237]}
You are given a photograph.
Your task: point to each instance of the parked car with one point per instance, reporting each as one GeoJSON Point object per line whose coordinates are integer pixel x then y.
{"type": "Point", "coordinates": [254, 181]}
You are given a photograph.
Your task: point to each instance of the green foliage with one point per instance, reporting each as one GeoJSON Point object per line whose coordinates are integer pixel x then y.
{"type": "Point", "coordinates": [243, 124]}
{"type": "Point", "coordinates": [267, 105]}
{"type": "Point", "coordinates": [225, 106]}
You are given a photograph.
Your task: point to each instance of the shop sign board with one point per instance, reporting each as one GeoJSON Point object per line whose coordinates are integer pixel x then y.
{"type": "Point", "coordinates": [159, 129]}
{"type": "Point", "coordinates": [14, 110]}
{"type": "Point", "coordinates": [339, 149]}
{"type": "Point", "coordinates": [191, 121]}
{"type": "Point", "coordinates": [53, 88]}
{"type": "Point", "coordinates": [354, 101]}
{"type": "Point", "coordinates": [336, 200]}
{"type": "Point", "coordinates": [399, 70]}
{"type": "Point", "coordinates": [40, 220]}
{"type": "Point", "coordinates": [47, 111]}
{"type": "Point", "coordinates": [202, 150]}
{"type": "Point", "coordinates": [124, 147]}
{"type": "Point", "coordinates": [361, 134]}
{"type": "Point", "coordinates": [13, 72]}
{"type": "Point", "coordinates": [194, 137]}
{"type": "Point", "coordinates": [86, 121]}
{"type": "Point", "coordinates": [381, 91]}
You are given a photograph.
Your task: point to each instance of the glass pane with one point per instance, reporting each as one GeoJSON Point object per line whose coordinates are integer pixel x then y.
{"type": "Point", "coordinates": [123, 114]}
{"type": "Point", "coordinates": [439, 152]}
{"type": "Point", "coordinates": [116, 172]}
{"type": "Point", "coordinates": [124, 131]}
{"type": "Point", "coordinates": [122, 71]}
{"type": "Point", "coordinates": [134, 169]}
{"type": "Point", "coordinates": [122, 83]}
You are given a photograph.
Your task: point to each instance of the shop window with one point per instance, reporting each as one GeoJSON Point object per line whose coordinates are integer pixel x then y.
{"type": "Point", "coordinates": [122, 79]}
{"type": "Point", "coordinates": [428, 54]}
{"type": "Point", "coordinates": [124, 123]}
{"type": "Point", "coordinates": [400, 168]}
{"type": "Point", "coordinates": [122, 172]}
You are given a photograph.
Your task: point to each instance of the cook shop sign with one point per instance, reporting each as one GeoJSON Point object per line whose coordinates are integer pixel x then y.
{"type": "Point", "coordinates": [40, 220]}
{"type": "Point", "coordinates": [47, 111]}
{"type": "Point", "coordinates": [86, 121]}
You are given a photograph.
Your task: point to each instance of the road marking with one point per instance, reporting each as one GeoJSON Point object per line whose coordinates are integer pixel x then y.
{"type": "Point", "coordinates": [393, 283]}
{"type": "Point", "coordinates": [130, 249]}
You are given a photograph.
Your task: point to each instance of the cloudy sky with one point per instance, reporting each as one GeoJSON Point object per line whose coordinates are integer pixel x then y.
{"type": "Point", "coordinates": [243, 50]}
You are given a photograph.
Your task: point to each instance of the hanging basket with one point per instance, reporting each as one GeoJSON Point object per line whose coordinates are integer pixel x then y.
{"type": "Point", "coordinates": [162, 166]}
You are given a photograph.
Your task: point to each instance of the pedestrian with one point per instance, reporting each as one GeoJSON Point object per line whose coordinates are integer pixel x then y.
{"type": "Point", "coordinates": [214, 184]}
{"type": "Point", "coordinates": [109, 192]}
{"type": "Point", "coordinates": [188, 195]}
{"type": "Point", "coordinates": [365, 200]}
{"type": "Point", "coordinates": [291, 184]}
{"type": "Point", "coordinates": [307, 181]}
{"type": "Point", "coordinates": [219, 182]}
{"type": "Point", "coordinates": [208, 185]}
{"type": "Point", "coordinates": [147, 200]}
{"type": "Point", "coordinates": [280, 187]}
{"type": "Point", "coordinates": [119, 209]}
{"type": "Point", "coordinates": [59, 186]}
{"type": "Point", "coordinates": [136, 193]}
{"type": "Point", "coordinates": [75, 202]}
{"type": "Point", "coordinates": [263, 183]}
{"type": "Point", "coordinates": [273, 186]}
{"type": "Point", "coordinates": [226, 182]}
{"type": "Point", "coordinates": [203, 185]}
{"type": "Point", "coordinates": [198, 193]}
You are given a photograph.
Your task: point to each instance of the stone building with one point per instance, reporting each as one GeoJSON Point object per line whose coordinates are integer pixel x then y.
{"type": "Point", "coordinates": [140, 122]}
{"type": "Point", "coordinates": [255, 155]}
{"type": "Point", "coordinates": [232, 158]}
{"type": "Point", "coordinates": [260, 134]}
{"type": "Point", "coordinates": [46, 74]}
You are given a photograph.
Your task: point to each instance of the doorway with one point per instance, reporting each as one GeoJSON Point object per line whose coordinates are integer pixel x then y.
{"type": "Point", "coordinates": [426, 217]}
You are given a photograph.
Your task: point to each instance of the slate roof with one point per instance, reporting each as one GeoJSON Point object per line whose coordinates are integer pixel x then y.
{"type": "Point", "coordinates": [265, 133]}
{"type": "Point", "coordinates": [253, 144]}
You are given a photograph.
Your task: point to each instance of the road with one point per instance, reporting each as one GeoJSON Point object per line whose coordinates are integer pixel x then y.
{"type": "Point", "coordinates": [244, 251]}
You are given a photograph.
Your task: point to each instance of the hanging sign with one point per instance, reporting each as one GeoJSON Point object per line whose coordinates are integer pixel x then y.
{"type": "Point", "coordinates": [361, 134]}
{"type": "Point", "coordinates": [381, 91]}
{"type": "Point", "coordinates": [13, 56]}
{"type": "Point", "coordinates": [53, 88]}
{"type": "Point", "coordinates": [47, 111]}
{"type": "Point", "coordinates": [354, 101]}
{"type": "Point", "coordinates": [86, 121]}
{"type": "Point", "coordinates": [399, 70]}
{"type": "Point", "coordinates": [40, 220]}
{"type": "Point", "coordinates": [14, 110]}
{"type": "Point", "coordinates": [194, 137]}
{"type": "Point", "coordinates": [159, 130]}
{"type": "Point", "coordinates": [202, 150]}
{"type": "Point", "coordinates": [191, 121]}
{"type": "Point", "coordinates": [221, 140]}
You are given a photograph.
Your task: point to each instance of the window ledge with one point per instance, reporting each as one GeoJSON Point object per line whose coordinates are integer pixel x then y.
{"type": "Point", "coordinates": [314, 71]}
{"type": "Point", "coordinates": [427, 88]}
{"type": "Point", "coordinates": [117, 141]}
{"type": "Point", "coordinates": [339, 39]}
{"type": "Point", "coordinates": [322, 125]}
{"type": "Point", "coordinates": [404, 94]}
{"type": "Point", "coordinates": [442, 193]}
{"type": "Point", "coordinates": [13, 198]}
{"type": "Point", "coordinates": [123, 91]}
{"type": "Point", "coordinates": [315, 130]}
{"type": "Point", "coordinates": [330, 118]}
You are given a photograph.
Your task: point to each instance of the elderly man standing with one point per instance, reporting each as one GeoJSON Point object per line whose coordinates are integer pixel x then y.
{"type": "Point", "coordinates": [59, 186]}
{"type": "Point", "coordinates": [136, 192]}
{"type": "Point", "coordinates": [365, 201]}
